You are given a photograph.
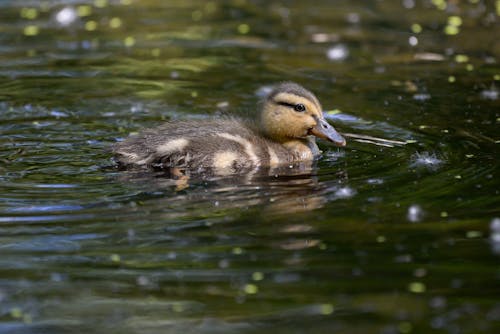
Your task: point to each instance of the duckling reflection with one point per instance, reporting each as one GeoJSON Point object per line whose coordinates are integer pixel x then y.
{"type": "Point", "coordinates": [283, 135]}
{"type": "Point", "coordinates": [293, 192]}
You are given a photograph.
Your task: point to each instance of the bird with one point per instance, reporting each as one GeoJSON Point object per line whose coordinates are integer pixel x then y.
{"type": "Point", "coordinates": [281, 134]}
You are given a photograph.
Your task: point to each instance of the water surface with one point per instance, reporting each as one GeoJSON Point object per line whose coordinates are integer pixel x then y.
{"type": "Point", "coordinates": [402, 238]}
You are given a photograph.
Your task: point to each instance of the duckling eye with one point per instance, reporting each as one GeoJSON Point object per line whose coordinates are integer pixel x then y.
{"type": "Point", "coordinates": [299, 107]}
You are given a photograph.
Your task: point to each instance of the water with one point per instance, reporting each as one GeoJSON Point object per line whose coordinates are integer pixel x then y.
{"type": "Point", "coordinates": [401, 238]}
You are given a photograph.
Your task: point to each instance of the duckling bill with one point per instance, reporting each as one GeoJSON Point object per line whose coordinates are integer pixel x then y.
{"type": "Point", "coordinates": [284, 133]}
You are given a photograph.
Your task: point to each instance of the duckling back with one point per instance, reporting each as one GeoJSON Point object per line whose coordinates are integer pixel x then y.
{"type": "Point", "coordinates": [224, 146]}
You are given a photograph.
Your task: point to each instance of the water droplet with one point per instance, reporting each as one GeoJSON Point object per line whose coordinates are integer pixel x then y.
{"type": "Point", "coordinates": [115, 258]}
{"type": "Point", "coordinates": [420, 272]}
{"type": "Point", "coordinates": [375, 181]}
{"type": "Point", "coordinates": [421, 97]}
{"type": "Point", "coordinates": [440, 4]}
{"type": "Point", "coordinates": [326, 309]}
{"type": "Point", "coordinates": [129, 41]}
{"type": "Point", "coordinates": [66, 16]}
{"type": "Point", "coordinates": [490, 94]}
{"type": "Point", "coordinates": [31, 30]}
{"type": "Point", "coordinates": [461, 58]}
{"type": "Point", "coordinates": [29, 13]}
{"type": "Point", "coordinates": [473, 234]}
{"type": "Point", "coordinates": [416, 287]}
{"type": "Point", "coordinates": [224, 263]}
{"type": "Point", "coordinates": [142, 281]}
{"type": "Point", "coordinates": [338, 52]}
{"type": "Point", "coordinates": [100, 3]}
{"type": "Point", "coordinates": [16, 312]}
{"type": "Point", "coordinates": [243, 28]}
{"type": "Point", "coordinates": [415, 213]}
{"type": "Point", "coordinates": [437, 302]}
{"type": "Point", "coordinates": [416, 28]}
{"type": "Point", "coordinates": [426, 159]}
{"type": "Point", "coordinates": [451, 30]}
{"type": "Point", "coordinates": [353, 18]}
{"type": "Point", "coordinates": [91, 25]}
{"type": "Point", "coordinates": [455, 21]}
{"type": "Point", "coordinates": [345, 192]}
{"type": "Point", "coordinates": [84, 10]}
{"type": "Point", "coordinates": [495, 225]}
{"type": "Point", "coordinates": [115, 23]}
{"type": "Point", "coordinates": [257, 276]}
{"type": "Point", "coordinates": [495, 235]}
{"type": "Point", "coordinates": [237, 251]}
{"type": "Point", "coordinates": [408, 4]}
{"type": "Point", "coordinates": [251, 289]}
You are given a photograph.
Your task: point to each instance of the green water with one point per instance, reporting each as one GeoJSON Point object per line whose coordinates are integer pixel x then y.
{"type": "Point", "coordinates": [377, 239]}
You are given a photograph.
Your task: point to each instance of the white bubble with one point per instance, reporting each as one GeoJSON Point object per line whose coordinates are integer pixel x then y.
{"type": "Point", "coordinates": [408, 4]}
{"type": "Point", "coordinates": [375, 181]}
{"type": "Point", "coordinates": [415, 213]}
{"type": "Point", "coordinates": [495, 235]}
{"type": "Point", "coordinates": [223, 263]}
{"type": "Point", "coordinates": [174, 75]}
{"type": "Point", "coordinates": [66, 16]}
{"type": "Point", "coordinates": [143, 281]}
{"type": "Point", "coordinates": [334, 155]}
{"type": "Point", "coordinates": [338, 52]}
{"type": "Point", "coordinates": [413, 40]}
{"type": "Point", "coordinates": [353, 18]}
{"type": "Point", "coordinates": [321, 38]}
{"type": "Point", "coordinates": [489, 94]}
{"type": "Point", "coordinates": [495, 225]}
{"type": "Point", "coordinates": [421, 97]}
{"type": "Point", "coordinates": [427, 160]}
{"type": "Point", "coordinates": [345, 192]}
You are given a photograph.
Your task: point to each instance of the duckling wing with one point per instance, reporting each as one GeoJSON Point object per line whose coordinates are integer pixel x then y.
{"type": "Point", "coordinates": [220, 144]}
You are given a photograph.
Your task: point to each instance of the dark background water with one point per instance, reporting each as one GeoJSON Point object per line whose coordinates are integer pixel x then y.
{"type": "Point", "coordinates": [401, 239]}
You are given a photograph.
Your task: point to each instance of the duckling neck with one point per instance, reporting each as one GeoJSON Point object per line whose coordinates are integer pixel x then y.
{"type": "Point", "coordinates": [302, 149]}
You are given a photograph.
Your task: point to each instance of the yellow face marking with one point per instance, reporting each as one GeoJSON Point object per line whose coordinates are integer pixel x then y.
{"type": "Point", "coordinates": [247, 145]}
{"type": "Point", "coordinates": [223, 162]}
{"type": "Point", "coordinates": [312, 106]}
{"type": "Point", "coordinates": [171, 146]}
{"type": "Point", "coordinates": [282, 122]}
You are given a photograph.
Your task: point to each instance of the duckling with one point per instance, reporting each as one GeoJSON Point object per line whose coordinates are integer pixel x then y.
{"type": "Point", "coordinates": [284, 133]}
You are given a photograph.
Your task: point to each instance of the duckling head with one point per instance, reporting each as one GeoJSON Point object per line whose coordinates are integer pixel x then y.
{"type": "Point", "coordinates": [292, 112]}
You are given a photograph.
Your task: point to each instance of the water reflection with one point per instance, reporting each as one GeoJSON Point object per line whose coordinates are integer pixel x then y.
{"type": "Point", "coordinates": [284, 190]}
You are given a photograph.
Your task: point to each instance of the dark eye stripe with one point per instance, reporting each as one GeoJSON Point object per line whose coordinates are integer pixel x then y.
{"type": "Point", "coordinates": [297, 107]}
{"type": "Point", "coordinates": [285, 104]}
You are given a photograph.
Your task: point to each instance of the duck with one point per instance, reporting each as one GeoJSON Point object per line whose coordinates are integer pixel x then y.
{"type": "Point", "coordinates": [284, 132]}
